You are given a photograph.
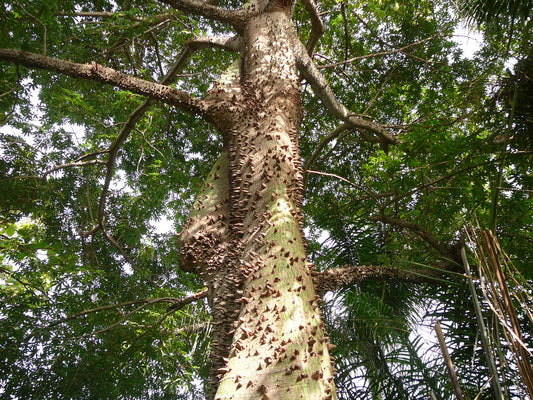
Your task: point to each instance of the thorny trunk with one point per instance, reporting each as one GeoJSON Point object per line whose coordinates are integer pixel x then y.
{"type": "Point", "coordinates": [244, 235]}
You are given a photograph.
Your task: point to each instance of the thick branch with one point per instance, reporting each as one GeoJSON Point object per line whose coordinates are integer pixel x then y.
{"type": "Point", "coordinates": [317, 26]}
{"type": "Point", "coordinates": [232, 44]}
{"type": "Point", "coordinates": [106, 75]}
{"type": "Point", "coordinates": [235, 18]}
{"type": "Point", "coordinates": [321, 88]}
{"type": "Point", "coordinates": [338, 278]}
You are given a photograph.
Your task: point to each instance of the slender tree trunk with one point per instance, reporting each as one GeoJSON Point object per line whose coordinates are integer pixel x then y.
{"type": "Point", "coordinates": [245, 235]}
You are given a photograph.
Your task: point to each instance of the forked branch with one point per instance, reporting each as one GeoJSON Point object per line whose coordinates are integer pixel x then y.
{"type": "Point", "coordinates": [333, 135]}
{"type": "Point", "coordinates": [230, 44]}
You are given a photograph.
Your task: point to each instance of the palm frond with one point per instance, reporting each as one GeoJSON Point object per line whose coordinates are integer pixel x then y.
{"type": "Point", "coordinates": [487, 10]}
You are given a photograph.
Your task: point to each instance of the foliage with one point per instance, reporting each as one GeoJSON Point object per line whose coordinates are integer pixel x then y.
{"type": "Point", "coordinates": [394, 62]}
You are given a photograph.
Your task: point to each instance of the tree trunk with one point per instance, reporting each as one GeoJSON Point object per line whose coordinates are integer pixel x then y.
{"type": "Point", "coordinates": [244, 236]}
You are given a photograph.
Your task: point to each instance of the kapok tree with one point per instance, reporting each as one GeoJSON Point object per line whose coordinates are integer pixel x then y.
{"type": "Point", "coordinates": [244, 236]}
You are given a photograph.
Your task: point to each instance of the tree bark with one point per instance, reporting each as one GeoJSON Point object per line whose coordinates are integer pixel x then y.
{"type": "Point", "coordinates": [268, 340]}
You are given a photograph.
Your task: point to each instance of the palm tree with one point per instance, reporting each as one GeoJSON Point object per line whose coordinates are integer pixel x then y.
{"type": "Point", "coordinates": [480, 11]}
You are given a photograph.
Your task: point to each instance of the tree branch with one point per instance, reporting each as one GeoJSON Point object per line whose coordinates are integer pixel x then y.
{"type": "Point", "coordinates": [72, 164]}
{"type": "Point", "coordinates": [395, 49]}
{"type": "Point", "coordinates": [190, 47]}
{"type": "Point", "coordinates": [235, 18]}
{"type": "Point", "coordinates": [317, 26]}
{"type": "Point", "coordinates": [349, 275]}
{"type": "Point", "coordinates": [378, 92]}
{"type": "Point", "coordinates": [40, 23]}
{"type": "Point", "coordinates": [176, 304]}
{"type": "Point", "coordinates": [382, 53]}
{"type": "Point", "coordinates": [54, 169]}
{"type": "Point", "coordinates": [111, 14]}
{"type": "Point", "coordinates": [232, 44]}
{"type": "Point", "coordinates": [123, 40]}
{"type": "Point", "coordinates": [106, 75]}
{"type": "Point", "coordinates": [334, 134]}
{"type": "Point", "coordinates": [442, 248]}
{"type": "Point", "coordinates": [455, 171]}
{"type": "Point", "coordinates": [27, 285]}
{"type": "Point", "coordinates": [321, 88]}
{"type": "Point", "coordinates": [180, 303]}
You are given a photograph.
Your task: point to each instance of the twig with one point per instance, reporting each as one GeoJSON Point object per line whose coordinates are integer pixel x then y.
{"type": "Point", "coordinates": [177, 303]}
{"type": "Point", "coordinates": [433, 182]}
{"type": "Point", "coordinates": [423, 233]}
{"type": "Point", "coordinates": [341, 71]}
{"type": "Point", "coordinates": [382, 42]}
{"type": "Point", "coordinates": [336, 132]}
{"type": "Point", "coordinates": [332, 175]}
{"type": "Point", "coordinates": [40, 23]}
{"type": "Point", "coordinates": [23, 283]}
{"type": "Point", "coordinates": [56, 168]}
{"type": "Point", "coordinates": [110, 327]}
{"type": "Point", "coordinates": [379, 54]}
{"type": "Point", "coordinates": [378, 92]}
{"type": "Point", "coordinates": [137, 338]}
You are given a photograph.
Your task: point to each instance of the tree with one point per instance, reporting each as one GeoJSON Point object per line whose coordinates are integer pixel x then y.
{"type": "Point", "coordinates": [76, 247]}
{"type": "Point", "coordinates": [487, 10]}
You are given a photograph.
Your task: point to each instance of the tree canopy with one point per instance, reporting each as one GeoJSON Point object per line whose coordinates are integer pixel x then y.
{"type": "Point", "coordinates": [96, 181]}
